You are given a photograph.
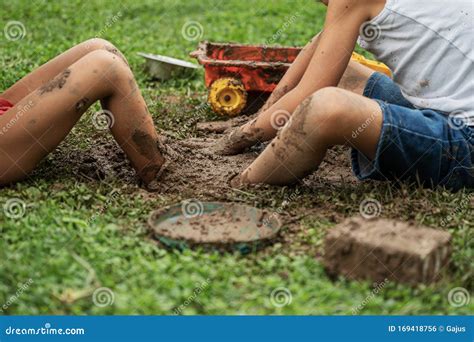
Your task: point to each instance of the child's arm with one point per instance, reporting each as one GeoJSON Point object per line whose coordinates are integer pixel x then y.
{"type": "Point", "coordinates": [328, 63]}
{"type": "Point", "coordinates": [330, 60]}
{"type": "Point", "coordinates": [294, 74]}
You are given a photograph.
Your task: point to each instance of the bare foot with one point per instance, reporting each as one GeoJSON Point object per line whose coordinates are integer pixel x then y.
{"type": "Point", "coordinates": [155, 184]}
{"type": "Point", "coordinates": [152, 173]}
{"type": "Point", "coordinates": [238, 181]}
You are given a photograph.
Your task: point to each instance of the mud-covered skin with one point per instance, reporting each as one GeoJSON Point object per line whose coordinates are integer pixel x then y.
{"type": "Point", "coordinates": [238, 181]}
{"type": "Point", "coordinates": [115, 51]}
{"type": "Point", "coordinates": [274, 97]}
{"type": "Point", "coordinates": [236, 141]}
{"type": "Point", "coordinates": [65, 87]}
{"type": "Point", "coordinates": [295, 134]}
{"type": "Point", "coordinates": [57, 83]}
{"type": "Point", "coordinates": [146, 145]}
{"type": "Point", "coordinates": [153, 150]}
{"type": "Point", "coordinates": [149, 176]}
{"type": "Point", "coordinates": [243, 179]}
{"type": "Point", "coordinates": [82, 104]}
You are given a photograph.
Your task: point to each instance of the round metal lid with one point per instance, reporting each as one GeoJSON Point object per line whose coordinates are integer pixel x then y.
{"type": "Point", "coordinates": [216, 225]}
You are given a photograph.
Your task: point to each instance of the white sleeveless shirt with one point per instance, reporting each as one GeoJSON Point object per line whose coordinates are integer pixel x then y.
{"type": "Point", "coordinates": [429, 46]}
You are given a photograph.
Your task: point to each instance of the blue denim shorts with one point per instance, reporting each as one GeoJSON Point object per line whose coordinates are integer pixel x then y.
{"type": "Point", "coordinates": [416, 145]}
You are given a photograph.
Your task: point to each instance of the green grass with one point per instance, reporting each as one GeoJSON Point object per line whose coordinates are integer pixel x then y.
{"type": "Point", "coordinates": [73, 238]}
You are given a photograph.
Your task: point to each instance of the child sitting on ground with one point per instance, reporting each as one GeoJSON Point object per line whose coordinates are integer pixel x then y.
{"type": "Point", "coordinates": [37, 112]}
{"type": "Point", "coordinates": [418, 126]}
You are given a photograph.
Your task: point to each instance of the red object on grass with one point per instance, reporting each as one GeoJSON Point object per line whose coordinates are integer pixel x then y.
{"type": "Point", "coordinates": [5, 105]}
{"type": "Point", "coordinates": [258, 67]}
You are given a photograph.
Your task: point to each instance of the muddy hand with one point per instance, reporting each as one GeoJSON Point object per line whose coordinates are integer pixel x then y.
{"type": "Point", "coordinates": [235, 142]}
{"type": "Point", "coordinates": [197, 143]}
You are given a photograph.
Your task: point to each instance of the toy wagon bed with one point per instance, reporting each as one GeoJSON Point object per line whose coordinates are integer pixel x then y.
{"type": "Point", "coordinates": [233, 70]}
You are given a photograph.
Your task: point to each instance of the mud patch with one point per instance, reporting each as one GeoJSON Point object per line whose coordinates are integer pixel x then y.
{"type": "Point", "coordinates": [58, 82]}
{"type": "Point", "coordinates": [193, 170]}
{"type": "Point", "coordinates": [196, 172]}
{"type": "Point", "coordinates": [147, 146]}
{"type": "Point", "coordinates": [103, 159]}
{"type": "Point", "coordinates": [82, 104]}
{"type": "Point", "coordinates": [222, 226]}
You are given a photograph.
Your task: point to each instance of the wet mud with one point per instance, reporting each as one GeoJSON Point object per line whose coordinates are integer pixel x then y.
{"type": "Point", "coordinates": [215, 223]}
{"type": "Point", "coordinates": [193, 170]}
{"type": "Point", "coordinates": [81, 105]}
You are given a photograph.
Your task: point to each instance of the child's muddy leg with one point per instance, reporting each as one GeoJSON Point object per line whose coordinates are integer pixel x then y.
{"type": "Point", "coordinates": [42, 120]}
{"type": "Point", "coordinates": [49, 70]}
{"type": "Point", "coordinates": [329, 117]}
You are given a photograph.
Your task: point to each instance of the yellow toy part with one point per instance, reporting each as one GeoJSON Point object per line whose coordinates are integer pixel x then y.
{"type": "Point", "coordinates": [227, 96]}
{"type": "Point", "coordinates": [374, 65]}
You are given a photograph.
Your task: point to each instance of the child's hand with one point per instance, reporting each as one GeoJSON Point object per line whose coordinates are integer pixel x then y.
{"type": "Point", "coordinates": [236, 141]}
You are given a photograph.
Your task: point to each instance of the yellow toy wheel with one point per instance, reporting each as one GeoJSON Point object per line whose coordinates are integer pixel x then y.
{"type": "Point", "coordinates": [227, 96]}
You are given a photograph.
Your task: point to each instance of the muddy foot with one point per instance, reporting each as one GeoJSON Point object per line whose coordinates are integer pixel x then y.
{"type": "Point", "coordinates": [155, 185]}
{"type": "Point", "coordinates": [237, 181]}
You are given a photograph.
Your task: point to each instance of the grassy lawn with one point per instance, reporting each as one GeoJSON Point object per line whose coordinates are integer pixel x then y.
{"type": "Point", "coordinates": [73, 237]}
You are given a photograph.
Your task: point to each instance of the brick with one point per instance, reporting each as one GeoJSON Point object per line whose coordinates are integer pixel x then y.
{"type": "Point", "coordinates": [386, 249]}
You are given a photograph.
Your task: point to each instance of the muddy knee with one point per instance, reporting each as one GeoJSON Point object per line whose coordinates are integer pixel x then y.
{"type": "Point", "coordinates": [320, 114]}
{"type": "Point", "coordinates": [95, 44]}
{"type": "Point", "coordinates": [108, 66]}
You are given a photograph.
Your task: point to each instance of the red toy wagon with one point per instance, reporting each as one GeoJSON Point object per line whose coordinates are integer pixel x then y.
{"type": "Point", "coordinates": [233, 70]}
